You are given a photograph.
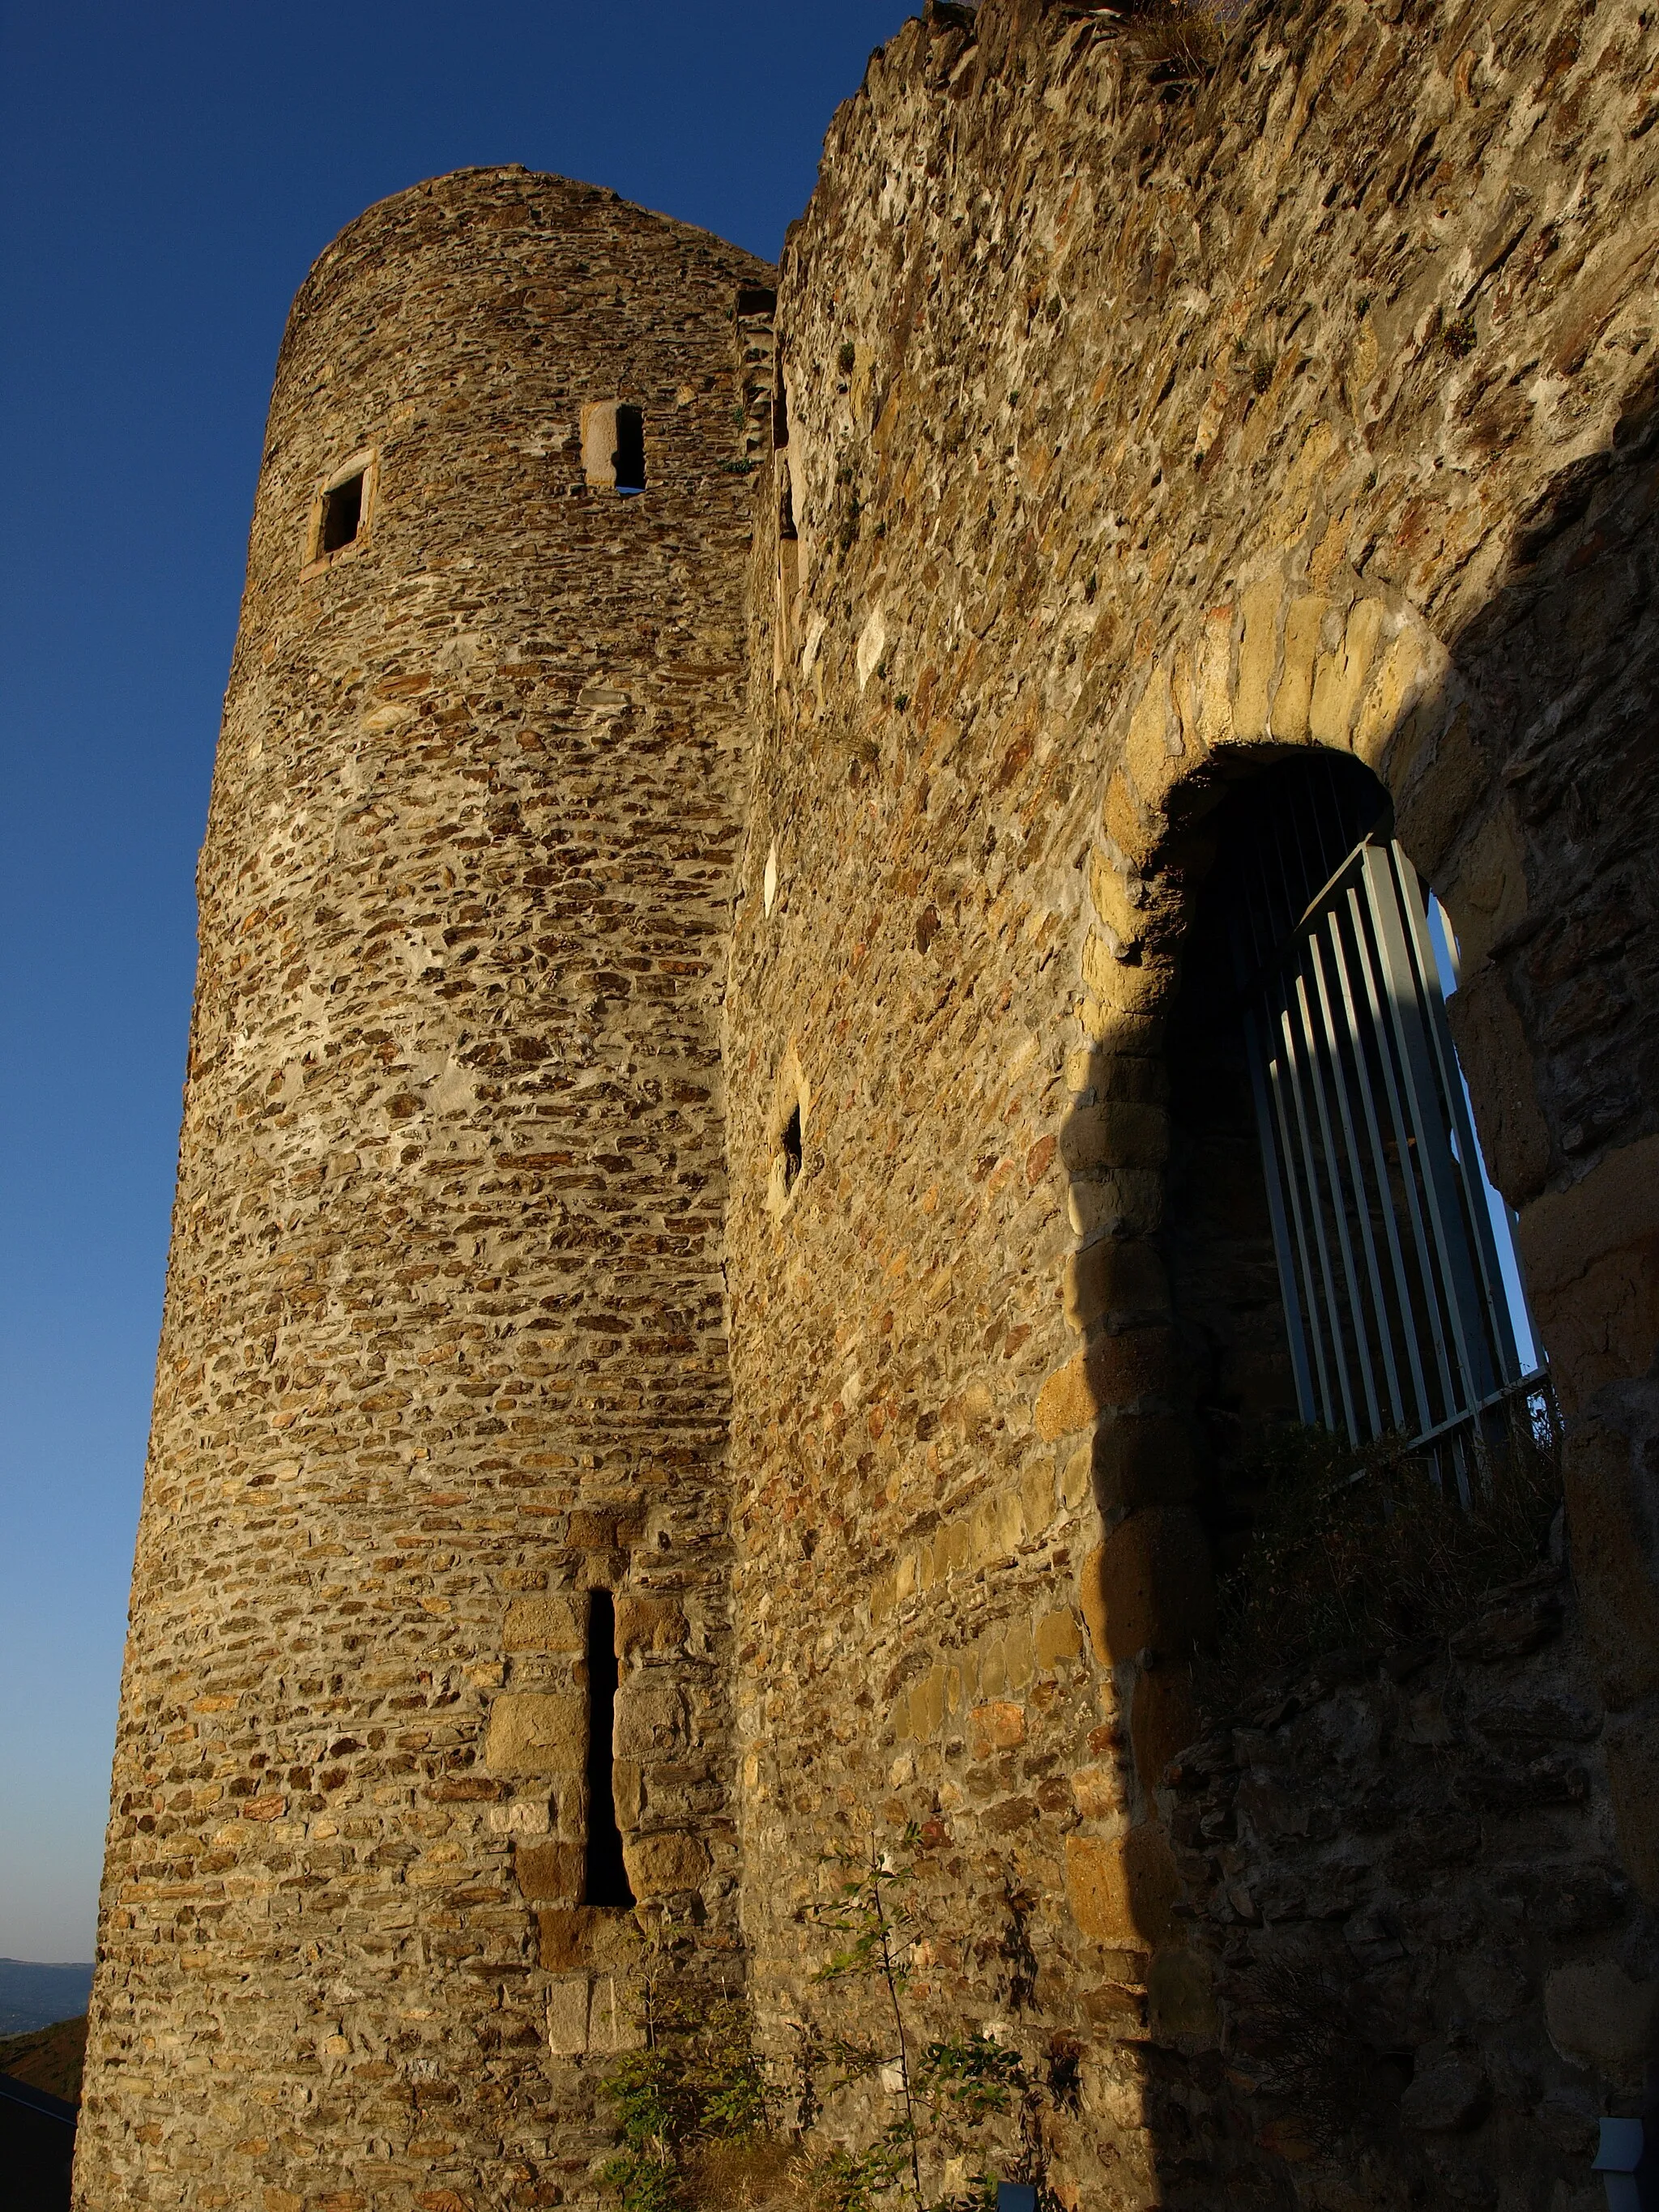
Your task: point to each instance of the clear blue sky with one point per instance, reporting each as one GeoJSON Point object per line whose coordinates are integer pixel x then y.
{"type": "Point", "coordinates": [167, 173]}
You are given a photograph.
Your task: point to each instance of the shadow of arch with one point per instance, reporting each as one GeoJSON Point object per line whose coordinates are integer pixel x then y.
{"type": "Point", "coordinates": [1520, 756]}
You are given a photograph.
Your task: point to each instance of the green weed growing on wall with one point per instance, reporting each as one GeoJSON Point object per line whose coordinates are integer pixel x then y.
{"type": "Point", "coordinates": [945, 2091]}
{"type": "Point", "coordinates": [693, 2091]}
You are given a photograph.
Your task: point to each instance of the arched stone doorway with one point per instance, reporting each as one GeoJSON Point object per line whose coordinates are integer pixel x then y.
{"type": "Point", "coordinates": [1336, 1254]}
{"type": "Point", "coordinates": [1310, 1935]}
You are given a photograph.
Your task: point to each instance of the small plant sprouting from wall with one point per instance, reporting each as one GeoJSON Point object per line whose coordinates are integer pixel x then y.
{"type": "Point", "coordinates": [947, 2090]}
{"type": "Point", "coordinates": [697, 2127]}
{"type": "Point", "coordinates": [692, 2114]}
{"type": "Point", "coordinates": [1355, 1547]}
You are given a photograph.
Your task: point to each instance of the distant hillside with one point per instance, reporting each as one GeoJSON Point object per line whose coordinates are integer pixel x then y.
{"type": "Point", "coordinates": [32, 1996]}
{"type": "Point", "coordinates": [48, 2058]}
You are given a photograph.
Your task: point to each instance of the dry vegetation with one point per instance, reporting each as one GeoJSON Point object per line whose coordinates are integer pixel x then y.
{"type": "Point", "coordinates": [1358, 1549]}
{"type": "Point", "coordinates": [48, 2058]}
{"type": "Point", "coordinates": [1174, 42]}
{"type": "Point", "coordinates": [765, 2175]}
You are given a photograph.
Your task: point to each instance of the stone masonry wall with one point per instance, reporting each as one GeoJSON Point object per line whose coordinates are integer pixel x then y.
{"type": "Point", "coordinates": [444, 1344]}
{"type": "Point", "coordinates": [1140, 425]}
{"type": "Point", "coordinates": [680, 1108]}
{"type": "Point", "coordinates": [1414, 1971]}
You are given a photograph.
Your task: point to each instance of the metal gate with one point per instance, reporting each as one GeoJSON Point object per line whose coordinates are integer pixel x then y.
{"type": "Point", "coordinates": [1398, 1314]}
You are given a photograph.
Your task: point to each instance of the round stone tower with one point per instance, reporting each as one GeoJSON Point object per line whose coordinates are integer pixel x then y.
{"type": "Point", "coordinates": [423, 1737]}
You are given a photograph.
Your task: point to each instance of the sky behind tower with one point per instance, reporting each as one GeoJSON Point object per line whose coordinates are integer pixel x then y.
{"type": "Point", "coordinates": [167, 174]}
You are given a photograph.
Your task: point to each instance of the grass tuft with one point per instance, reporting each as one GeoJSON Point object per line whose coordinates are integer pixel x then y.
{"type": "Point", "coordinates": [1175, 42]}
{"type": "Point", "coordinates": [764, 2175]}
{"type": "Point", "coordinates": [691, 2113]}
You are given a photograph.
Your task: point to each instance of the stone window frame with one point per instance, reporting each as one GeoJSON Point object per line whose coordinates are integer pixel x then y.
{"type": "Point", "coordinates": [365, 463]}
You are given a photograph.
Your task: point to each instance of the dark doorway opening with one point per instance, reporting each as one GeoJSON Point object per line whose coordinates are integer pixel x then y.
{"type": "Point", "coordinates": [1336, 1254]}
{"type": "Point", "coordinates": [1217, 1231]}
{"type": "Point", "coordinates": [606, 1879]}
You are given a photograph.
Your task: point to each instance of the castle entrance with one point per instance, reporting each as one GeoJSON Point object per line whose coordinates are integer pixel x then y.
{"type": "Point", "coordinates": [1339, 1255]}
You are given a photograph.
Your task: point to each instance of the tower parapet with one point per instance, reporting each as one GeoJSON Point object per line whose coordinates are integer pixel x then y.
{"type": "Point", "coordinates": [442, 1396]}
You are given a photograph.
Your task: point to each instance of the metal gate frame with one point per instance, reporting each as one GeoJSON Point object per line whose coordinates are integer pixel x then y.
{"type": "Point", "coordinates": [1397, 1313]}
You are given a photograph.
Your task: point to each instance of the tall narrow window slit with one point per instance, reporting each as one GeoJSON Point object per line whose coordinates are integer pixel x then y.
{"type": "Point", "coordinates": [606, 1876]}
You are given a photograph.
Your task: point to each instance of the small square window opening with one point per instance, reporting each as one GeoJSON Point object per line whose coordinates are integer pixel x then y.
{"type": "Point", "coordinates": [342, 511]}
{"type": "Point", "coordinates": [342, 514]}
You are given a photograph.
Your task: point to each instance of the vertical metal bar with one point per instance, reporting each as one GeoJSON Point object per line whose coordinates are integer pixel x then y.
{"type": "Point", "coordinates": [1495, 1302]}
{"type": "Point", "coordinates": [1261, 923]}
{"type": "Point", "coordinates": [1293, 1183]}
{"type": "Point", "coordinates": [1384, 1189]}
{"type": "Point", "coordinates": [1311, 967]}
{"type": "Point", "coordinates": [1439, 1168]}
{"type": "Point", "coordinates": [1460, 1441]}
{"type": "Point", "coordinates": [1274, 1175]}
{"type": "Point", "coordinates": [1420, 1324]}
{"type": "Point", "coordinates": [1327, 1276]}
{"type": "Point", "coordinates": [1288, 921]}
{"type": "Point", "coordinates": [1346, 1088]}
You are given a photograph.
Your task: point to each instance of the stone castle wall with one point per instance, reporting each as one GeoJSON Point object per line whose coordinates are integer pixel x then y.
{"type": "Point", "coordinates": [1137, 430]}
{"type": "Point", "coordinates": [600, 972]}
{"type": "Point", "coordinates": [445, 1342]}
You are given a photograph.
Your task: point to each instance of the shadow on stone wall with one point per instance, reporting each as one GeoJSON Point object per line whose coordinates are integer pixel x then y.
{"type": "Point", "coordinates": [1393, 1918]}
